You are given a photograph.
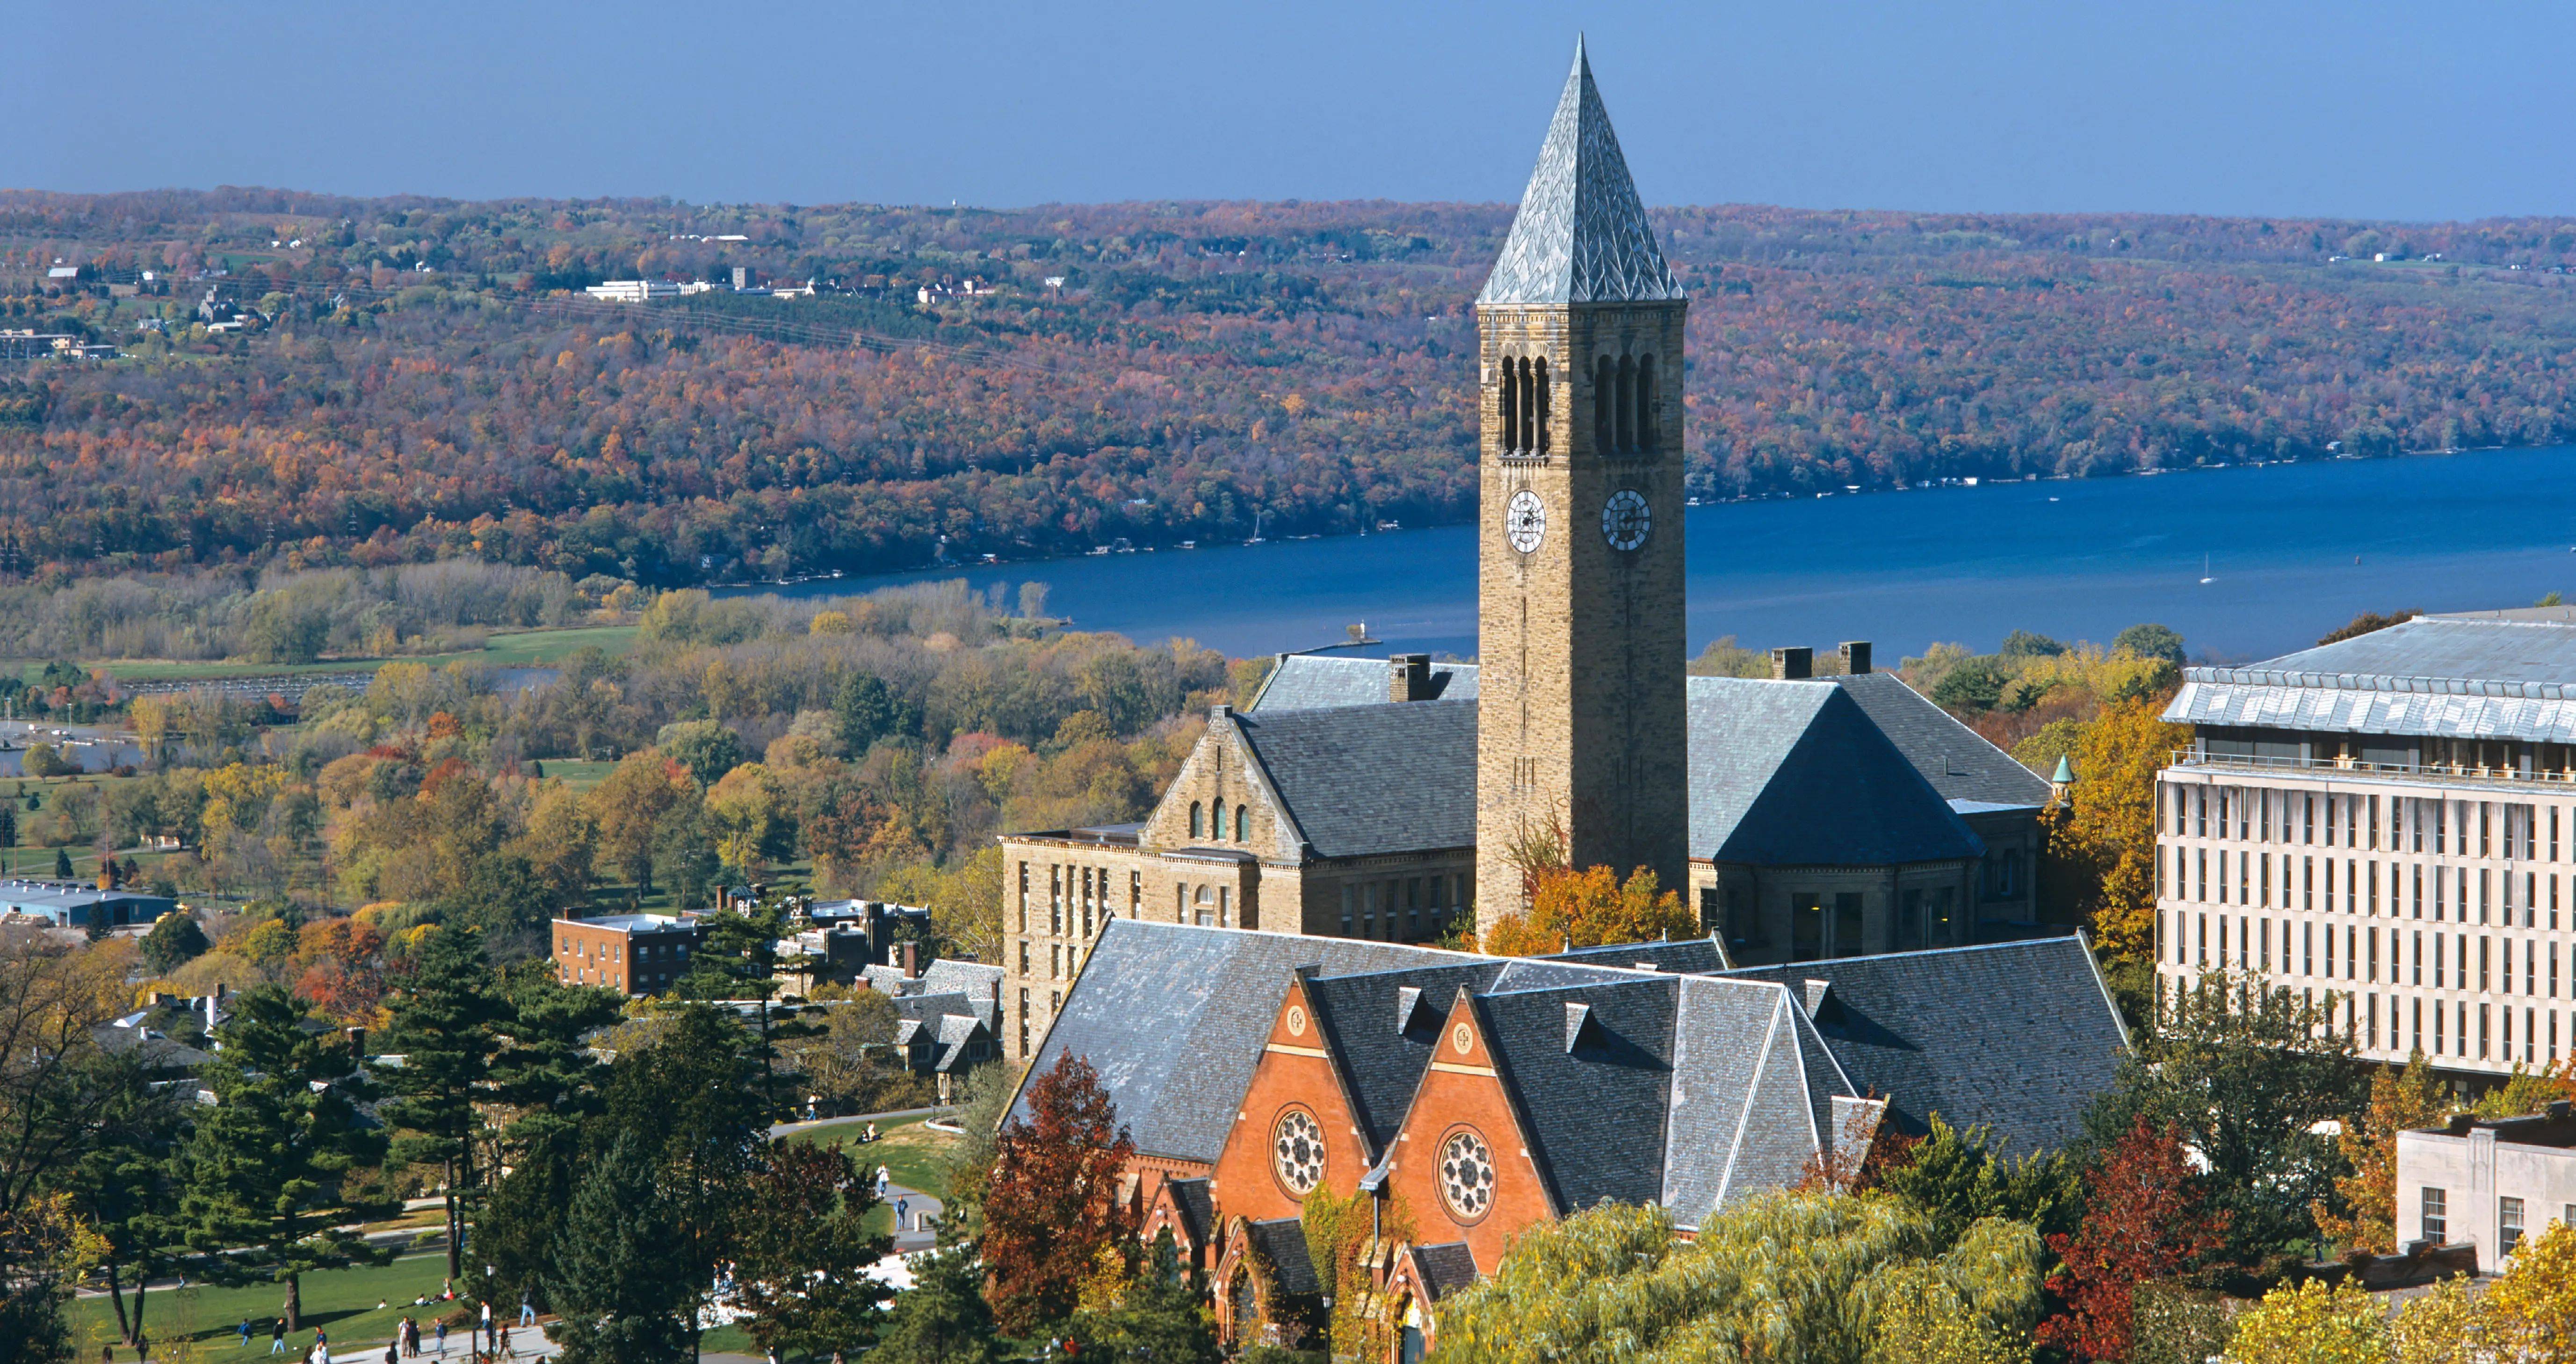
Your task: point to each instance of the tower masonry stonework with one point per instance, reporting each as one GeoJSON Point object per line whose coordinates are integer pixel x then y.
{"type": "Point", "coordinates": [1582, 732]}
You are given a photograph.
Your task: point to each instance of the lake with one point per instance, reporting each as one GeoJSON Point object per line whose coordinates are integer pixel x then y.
{"type": "Point", "coordinates": [2293, 550]}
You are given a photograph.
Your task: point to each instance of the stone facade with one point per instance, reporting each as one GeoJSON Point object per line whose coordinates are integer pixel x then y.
{"type": "Point", "coordinates": [1580, 609]}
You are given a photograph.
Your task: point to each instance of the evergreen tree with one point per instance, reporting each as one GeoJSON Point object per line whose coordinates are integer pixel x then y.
{"type": "Point", "coordinates": [552, 1083]}
{"type": "Point", "coordinates": [1162, 1320]}
{"type": "Point", "coordinates": [173, 942]}
{"type": "Point", "coordinates": [268, 1165]}
{"type": "Point", "coordinates": [689, 1098]}
{"type": "Point", "coordinates": [942, 1318]}
{"type": "Point", "coordinates": [867, 710]}
{"type": "Point", "coordinates": [445, 1023]}
{"type": "Point", "coordinates": [62, 865]}
{"type": "Point", "coordinates": [8, 826]}
{"type": "Point", "coordinates": [622, 1279]}
{"type": "Point", "coordinates": [738, 958]}
{"type": "Point", "coordinates": [125, 1183]}
{"type": "Point", "coordinates": [805, 1256]}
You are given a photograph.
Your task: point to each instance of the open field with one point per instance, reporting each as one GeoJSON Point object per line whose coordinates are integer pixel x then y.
{"type": "Point", "coordinates": [910, 1152]}
{"type": "Point", "coordinates": [341, 1301]}
{"type": "Point", "coordinates": [518, 649]}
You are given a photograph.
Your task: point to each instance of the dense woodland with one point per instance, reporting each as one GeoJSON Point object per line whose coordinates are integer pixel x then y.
{"type": "Point", "coordinates": [1200, 369]}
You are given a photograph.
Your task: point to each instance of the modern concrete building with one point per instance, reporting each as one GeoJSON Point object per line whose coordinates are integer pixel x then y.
{"type": "Point", "coordinates": [2387, 825]}
{"type": "Point", "coordinates": [2489, 1182]}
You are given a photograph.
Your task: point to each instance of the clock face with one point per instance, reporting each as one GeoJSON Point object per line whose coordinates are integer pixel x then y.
{"type": "Point", "coordinates": [1525, 521]}
{"type": "Point", "coordinates": [1625, 520]}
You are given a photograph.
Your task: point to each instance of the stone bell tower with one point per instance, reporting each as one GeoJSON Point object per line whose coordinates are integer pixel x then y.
{"type": "Point", "coordinates": [1580, 723]}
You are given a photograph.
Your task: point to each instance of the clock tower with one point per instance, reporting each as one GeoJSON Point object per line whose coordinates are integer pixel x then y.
{"type": "Point", "coordinates": [1580, 726]}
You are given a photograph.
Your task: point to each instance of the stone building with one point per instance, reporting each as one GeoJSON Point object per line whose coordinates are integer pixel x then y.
{"type": "Point", "coordinates": [2386, 825]}
{"type": "Point", "coordinates": [1486, 1094]}
{"type": "Point", "coordinates": [1381, 799]}
{"type": "Point", "coordinates": [2487, 1182]}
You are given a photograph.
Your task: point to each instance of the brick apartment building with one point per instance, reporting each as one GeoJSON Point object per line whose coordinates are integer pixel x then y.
{"type": "Point", "coordinates": [640, 954]}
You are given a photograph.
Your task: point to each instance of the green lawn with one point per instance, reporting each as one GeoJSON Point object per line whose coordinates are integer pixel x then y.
{"type": "Point", "coordinates": [342, 1301]}
{"type": "Point", "coordinates": [909, 1151]}
{"type": "Point", "coordinates": [580, 776]}
{"type": "Point", "coordinates": [518, 649]}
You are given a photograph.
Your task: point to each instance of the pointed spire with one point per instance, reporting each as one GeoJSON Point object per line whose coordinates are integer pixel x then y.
{"type": "Point", "coordinates": [1582, 235]}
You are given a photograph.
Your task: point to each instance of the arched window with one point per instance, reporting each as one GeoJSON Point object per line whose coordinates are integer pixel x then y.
{"type": "Point", "coordinates": [1511, 404]}
{"type": "Point", "coordinates": [1605, 396]}
{"type": "Point", "coordinates": [1626, 406]}
{"type": "Point", "coordinates": [1538, 400]}
{"type": "Point", "coordinates": [1645, 402]}
{"type": "Point", "coordinates": [1198, 818]}
{"type": "Point", "coordinates": [1242, 823]}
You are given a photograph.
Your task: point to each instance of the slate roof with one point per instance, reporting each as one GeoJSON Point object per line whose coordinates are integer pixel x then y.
{"type": "Point", "coordinates": [1690, 956]}
{"type": "Point", "coordinates": [1197, 1210]}
{"type": "Point", "coordinates": [1385, 1036]}
{"type": "Point", "coordinates": [1358, 780]}
{"type": "Point", "coordinates": [946, 976]}
{"type": "Point", "coordinates": [1593, 1110]}
{"type": "Point", "coordinates": [1957, 760]}
{"type": "Point", "coordinates": [1173, 1016]}
{"type": "Point", "coordinates": [2484, 677]}
{"type": "Point", "coordinates": [1795, 773]}
{"type": "Point", "coordinates": [1445, 1268]}
{"type": "Point", "coordinates": [1283, 1239]}
{"type": "Point", "coordinates": [1581, 235]}
{"type": "Point", "coordinates": [1316, 681]}
{"type": "Point", "coordinates": [2018, 1037]}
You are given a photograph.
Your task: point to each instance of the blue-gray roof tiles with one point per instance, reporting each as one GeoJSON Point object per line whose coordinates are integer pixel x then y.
{"type": "Point", "coordinates": [1359, 780]}
{"type": "Point", "coordinates": [1581, 235]}
{"type": "Point", "coordinates": [1797, 774]}
{"type": "Point", "coordinates": [1322, 681]}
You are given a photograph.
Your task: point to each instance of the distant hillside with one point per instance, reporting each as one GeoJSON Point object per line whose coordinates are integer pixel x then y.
{"type": "Point", "coordinates": [1197, 365]}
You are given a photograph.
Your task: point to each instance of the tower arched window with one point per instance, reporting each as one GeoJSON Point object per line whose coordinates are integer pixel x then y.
{"type": "Point", "coordinates": [1511, 399]}
{"type": "Point", "coordinates": [1605, 396]}
{"type": "Point", "coordinates": [1539, 401]}
{"type": "Point", "coordinates": [1242, 823]}
{"type": "Point", "coordinates": [1198, 817]}
{"type": "Point", "coordinates": [1626, 406]}
{"type": "Point", "coordinates": [1646, 402]}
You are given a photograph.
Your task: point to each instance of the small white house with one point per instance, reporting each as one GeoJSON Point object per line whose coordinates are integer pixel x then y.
{"type": "Point", "coordinates": [2488, 1181]}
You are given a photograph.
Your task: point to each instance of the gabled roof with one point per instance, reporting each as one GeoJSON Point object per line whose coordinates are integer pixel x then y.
{"type": "Point", "coordinates": [1795, 774]}
{"type": "Point", "coordinates": [1581, 235]}
{"type": "Point", "coordinates": [1316, 681]}
{"type": "Point", "coordinates": [2017, 1037]}
{"type": "Point", "coordinates": [1957, 760]}
{"type": "Point", "coordinates": [1383, 1036]}
{"type": "Point", "coordinates": [1174, 1016]}
{"type": "Point", "coordinates": [1283, 1240]}
{"type": "Point", "coordinates": [1593, 1104]}
{"type": "Point", "coordinates": [1358, 780]}
{"type": "Point", "coordinates": [1689, 956]}
{"type": "Point", "coordinates": [1197, 1210]}
{"type": "Point", "coordinates": [1444, 1269]}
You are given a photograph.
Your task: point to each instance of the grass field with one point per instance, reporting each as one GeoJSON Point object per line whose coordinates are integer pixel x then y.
{"type": "Point", "coordinates": [342, 1301]}
{"type": "Point", "coordinates": [909, 1151]}
{"type": "Point", "coordinates": [519, 649]}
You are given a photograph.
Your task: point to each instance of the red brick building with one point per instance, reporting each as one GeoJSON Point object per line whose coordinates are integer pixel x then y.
{"type": "Point", "coordinates": [641, 954]}
{"type": "Point", "coordinates": [1471, 1097]}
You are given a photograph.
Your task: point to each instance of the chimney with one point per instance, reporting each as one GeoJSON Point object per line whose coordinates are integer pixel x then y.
{"type": "Point", "coordinates": [1855, 656]}
{"type": "Point", "coordinates": [1408, 677]}
{"type": "Point", "coordinates": [908, 956]}
{"type": "Point", "coordinates": [357, 1042]}
{"type": "Point", "coordinates": [1789, 665]}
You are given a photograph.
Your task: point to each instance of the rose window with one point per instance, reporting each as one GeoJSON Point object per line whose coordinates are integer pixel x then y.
{"type": "Point", "coordinates": [1297, 1151]}
{"type": "Point", "coordinates": [1467, 1175]}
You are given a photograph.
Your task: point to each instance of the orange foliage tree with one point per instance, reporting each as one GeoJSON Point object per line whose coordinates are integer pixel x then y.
{"type": "Point", "coordinates": [1052, 1206]}
{"type": "Point", "coordinates": [2104, 847]}
{"type": "Point", "coordinates": [1588, 908]}
{"type": "Point", "coordinates": [2143, 1222]}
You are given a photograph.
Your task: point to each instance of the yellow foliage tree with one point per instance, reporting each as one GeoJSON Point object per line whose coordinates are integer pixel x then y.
{"type": "Point", "coordinates": [2311, 1324]}
{"type": "Point", "coordinates": [2450, 1325]}
{"type": "Point", "coordinates": [2532, 1309]}
{"type": "Point", "coordinates": [1588, 908]}
{"type": "Point", "coordinates": [2111, 829]}
{"type": "Point", "coordinates": [2398, 1100]}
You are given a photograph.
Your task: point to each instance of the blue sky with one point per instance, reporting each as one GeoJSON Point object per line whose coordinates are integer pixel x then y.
{"type": "Point", "coordinates": [2417, 111]}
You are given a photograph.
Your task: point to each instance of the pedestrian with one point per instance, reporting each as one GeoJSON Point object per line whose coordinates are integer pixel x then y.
{"type": "Point", "coordinates": [773, 1354]}
{"type": "Point", "coordinates": [277, 1337]}
{"type": "Point", "coordinates": [393, 1353]}
{"type": "Point", "coordinates": [902, 1208]}
{"type": "Point", "coordinates": [507, 1349]}
{"type": "Point", "coordinates": [527, 1310]}
{"type": "Point", "coordinates": [885, 1181]}
{"type": "Point", "coordinates": [837, 1359]}
{"type": "Point", "coordinates": [442, 1337]}
{"type": "Point", "coordinates": [245, 1333]}
{"type": "Point", "coordinates": [107, 1354]}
